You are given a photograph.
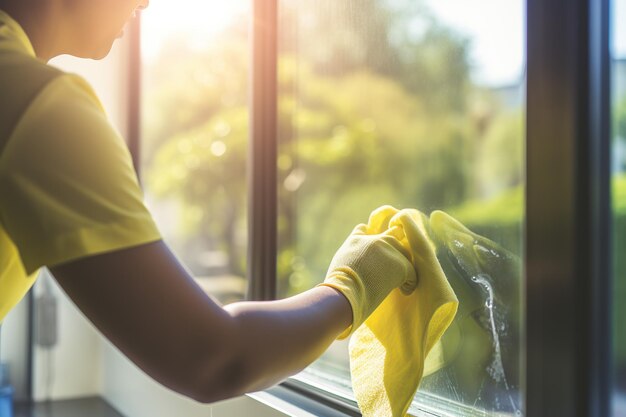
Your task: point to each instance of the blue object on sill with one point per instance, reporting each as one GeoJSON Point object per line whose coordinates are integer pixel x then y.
{"type": "Point", "coordinates": [6, 401]}
{"type": "Point", "coordinates": [6, 393]}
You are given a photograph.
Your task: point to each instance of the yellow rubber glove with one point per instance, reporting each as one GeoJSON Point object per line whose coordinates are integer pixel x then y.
{"type": "Point", "coordinates": [388, 352]}
{"type": "Point", "coordinates": [369, 265]}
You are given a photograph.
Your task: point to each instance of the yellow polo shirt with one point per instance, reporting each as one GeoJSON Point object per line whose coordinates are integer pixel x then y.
{"type": "Point", "coordinates": [67, 184]}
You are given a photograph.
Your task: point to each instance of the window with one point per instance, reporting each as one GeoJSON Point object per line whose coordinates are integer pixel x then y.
{"type": "Point", "coordinates": [413, 104]}
{"type": "Point", "coordinates": [618, 170]}
{"type": "Point", "coordinates": [427, 104]}
{"type": "Point", "coordinates": [194, 134]}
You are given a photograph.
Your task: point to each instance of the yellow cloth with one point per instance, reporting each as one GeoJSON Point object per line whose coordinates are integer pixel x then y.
{"type": "Point", "coordinates": [394, 341]}
{"type": "Point", "coordinates": [67, 185]}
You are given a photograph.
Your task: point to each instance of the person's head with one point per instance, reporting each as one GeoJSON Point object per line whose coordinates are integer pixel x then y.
{"type": "Point", "coordinates": [83, 28]}
{"type": "Point", "coordinates": [97, 23]}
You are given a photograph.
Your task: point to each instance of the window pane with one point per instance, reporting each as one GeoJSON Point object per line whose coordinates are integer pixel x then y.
{"type": "Point", "coordinates": [194, 135]}
{"type": "Point", "coordinates": [618, 151]}
{"type": "Point", "coordinates": [413, 104]}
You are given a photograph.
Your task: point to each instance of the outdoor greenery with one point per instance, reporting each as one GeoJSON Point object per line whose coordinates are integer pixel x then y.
{"type": "Point", "coordinates": [376, 106]}
{"type": "Point", "coordinates": [371, 111]}
{"type": "Point", "coordinates": [619, 273]}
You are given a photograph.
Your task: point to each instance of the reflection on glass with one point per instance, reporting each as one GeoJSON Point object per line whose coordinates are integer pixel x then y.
{"type": "Point", "coordinates": [194, 135]}
{"type": "Point", "coordinates": [413, 104]}
{"type": "Point", "coordinates": [618, 152]}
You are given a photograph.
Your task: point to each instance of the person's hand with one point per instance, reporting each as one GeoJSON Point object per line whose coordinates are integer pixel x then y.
{"type": "Point", "coordinates": [370, 264]}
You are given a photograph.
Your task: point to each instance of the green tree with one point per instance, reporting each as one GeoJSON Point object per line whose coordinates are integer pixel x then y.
{"type": "Point", "coordinates": [619, 128]}
{"type": "Point", "coordinates": [501, 155]}
{"type": "Point", "coordinates": [411, 142]}
{"type": "Point", "coordinates": [372, 111]}
{"type": "Point", "coordinates": [204, 168]}
{"type": "Point", "coordinates": [341, 156]}
{"type": "Point", "coordinates": [186, 86]}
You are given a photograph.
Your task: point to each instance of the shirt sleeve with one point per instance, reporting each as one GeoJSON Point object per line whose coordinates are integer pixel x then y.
{"type": "Point", "coordinates": [67, 184]}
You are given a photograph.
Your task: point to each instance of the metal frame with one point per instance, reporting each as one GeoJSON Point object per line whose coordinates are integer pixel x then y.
{"type": "Point", "coordinates": [308, 399]}
{"type": "Point", "coordinates": [262, 176]}
{"type": "Point", "coordinates": [568, 255]}
{"type": "Point", "coordinates": [599, 209]}
{"type": "Point", "coordinates": [262, 188]}
{"type": "Point", "coordinates": [30, 369]}
{"type": "Point", "coordinates": [134, 92]}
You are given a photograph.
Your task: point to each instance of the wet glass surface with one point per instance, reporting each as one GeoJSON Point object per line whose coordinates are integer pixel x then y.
{"type": "Point", "coordinates": [412, 104]}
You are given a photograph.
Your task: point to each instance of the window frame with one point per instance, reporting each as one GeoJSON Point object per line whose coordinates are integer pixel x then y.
{"type": "Point", "coordinates": [568, 219]}
{"type": "Point", "coordinates": [568, 256]}
{"type": "Point", "coordinates": [262, 160]}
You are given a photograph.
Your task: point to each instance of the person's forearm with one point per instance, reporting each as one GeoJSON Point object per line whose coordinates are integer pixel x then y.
{"type": "Point", "coordinates": [280, 338]}
{"type": "Point", "coordinates": [146, 303]}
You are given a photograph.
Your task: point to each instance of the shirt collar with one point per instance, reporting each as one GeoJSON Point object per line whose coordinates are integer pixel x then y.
{"type": "Point", "coordinates": [12, 31]}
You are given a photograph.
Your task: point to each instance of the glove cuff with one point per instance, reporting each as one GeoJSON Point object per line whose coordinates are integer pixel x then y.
{"type": "Point", "coordinates": [346, 286]}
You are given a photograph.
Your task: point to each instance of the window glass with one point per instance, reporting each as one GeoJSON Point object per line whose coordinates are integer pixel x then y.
{"type": "Point", "coordinates": [194, 135]}
{"type": "Point", "coordinates": [618, 166]}
{"type": "Point", "coordinates": [414, 104]}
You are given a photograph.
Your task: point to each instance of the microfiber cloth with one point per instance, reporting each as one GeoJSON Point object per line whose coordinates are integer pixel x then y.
{"type": "Point", "coordinates": [392, 344]}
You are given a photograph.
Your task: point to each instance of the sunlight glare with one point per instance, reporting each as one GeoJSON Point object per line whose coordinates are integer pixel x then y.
{"type": "Point", "coordinates": [200, 20]}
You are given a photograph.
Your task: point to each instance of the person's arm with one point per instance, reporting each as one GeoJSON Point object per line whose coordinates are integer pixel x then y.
{"type": "Point", "coordinates": [82, 205]}
{"type": "Point", "coordinates": [146, 303]}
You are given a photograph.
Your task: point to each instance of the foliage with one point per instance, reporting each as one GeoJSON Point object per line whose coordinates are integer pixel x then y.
{"type": "Point", "coordinates": [503, 210]}
{"type": "Point", "coordinates": [501, 155]}
{"type": "Point", "coordinates": [376, 106]}
{"type": "Point", "coordinates": [187, 86]}
{"type": "Point", "coordinates": [619, 194]}
{"type": "Point", "coordinates": [619, 266]}
{"type": "Point", "coordinates": [619, 119]}
{"type": "Point", "coordinates": [370, 113]}
{"type": "Point", "coordinates": [205, 168]}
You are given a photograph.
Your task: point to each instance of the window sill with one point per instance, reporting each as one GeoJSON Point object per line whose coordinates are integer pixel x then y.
{"type": "Point", "coordinates": [292, 403]}
{"type": "Point", "coordinates": [93, 407]}
{"type": "Point", "coordinates": [295, 399]}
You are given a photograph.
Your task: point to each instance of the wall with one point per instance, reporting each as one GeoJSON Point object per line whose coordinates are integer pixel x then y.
{"type": "Point", "coordinates": [134, 394]}
{"type": "Point", "coordinates": [72, 368]}
{"type": "Point", "coordinates": [14, 348]}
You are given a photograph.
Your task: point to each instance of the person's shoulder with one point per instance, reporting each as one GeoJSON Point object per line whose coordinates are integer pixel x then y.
{"type": "Point", "coordinates": [69, 91]}
{"type": "Point", "coordinates": [63, 116]}
{"type": "Point", "coordinates": [23, 69]}
{"type": "Point", "coordinates": [25, 79]}
{"type": "Point", "coordinates": [22, 78]}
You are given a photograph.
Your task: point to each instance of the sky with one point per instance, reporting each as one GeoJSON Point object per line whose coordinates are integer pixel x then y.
{"type": "Point", "coordinates": [618, 27]}
{"type": "Point", "coordinates": [495, 28]}
{"type": "Point", "coordinates": [496, 32]}
{"type": "Point", "coordinates": [200, 18]}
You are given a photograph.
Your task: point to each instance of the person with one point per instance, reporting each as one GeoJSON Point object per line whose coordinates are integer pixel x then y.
{"type": "Point", "coordinates": [70, 201]}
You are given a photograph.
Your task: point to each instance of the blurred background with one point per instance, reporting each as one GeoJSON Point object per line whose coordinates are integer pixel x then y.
{"type": "Point", "coordinates": [413, 104]}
